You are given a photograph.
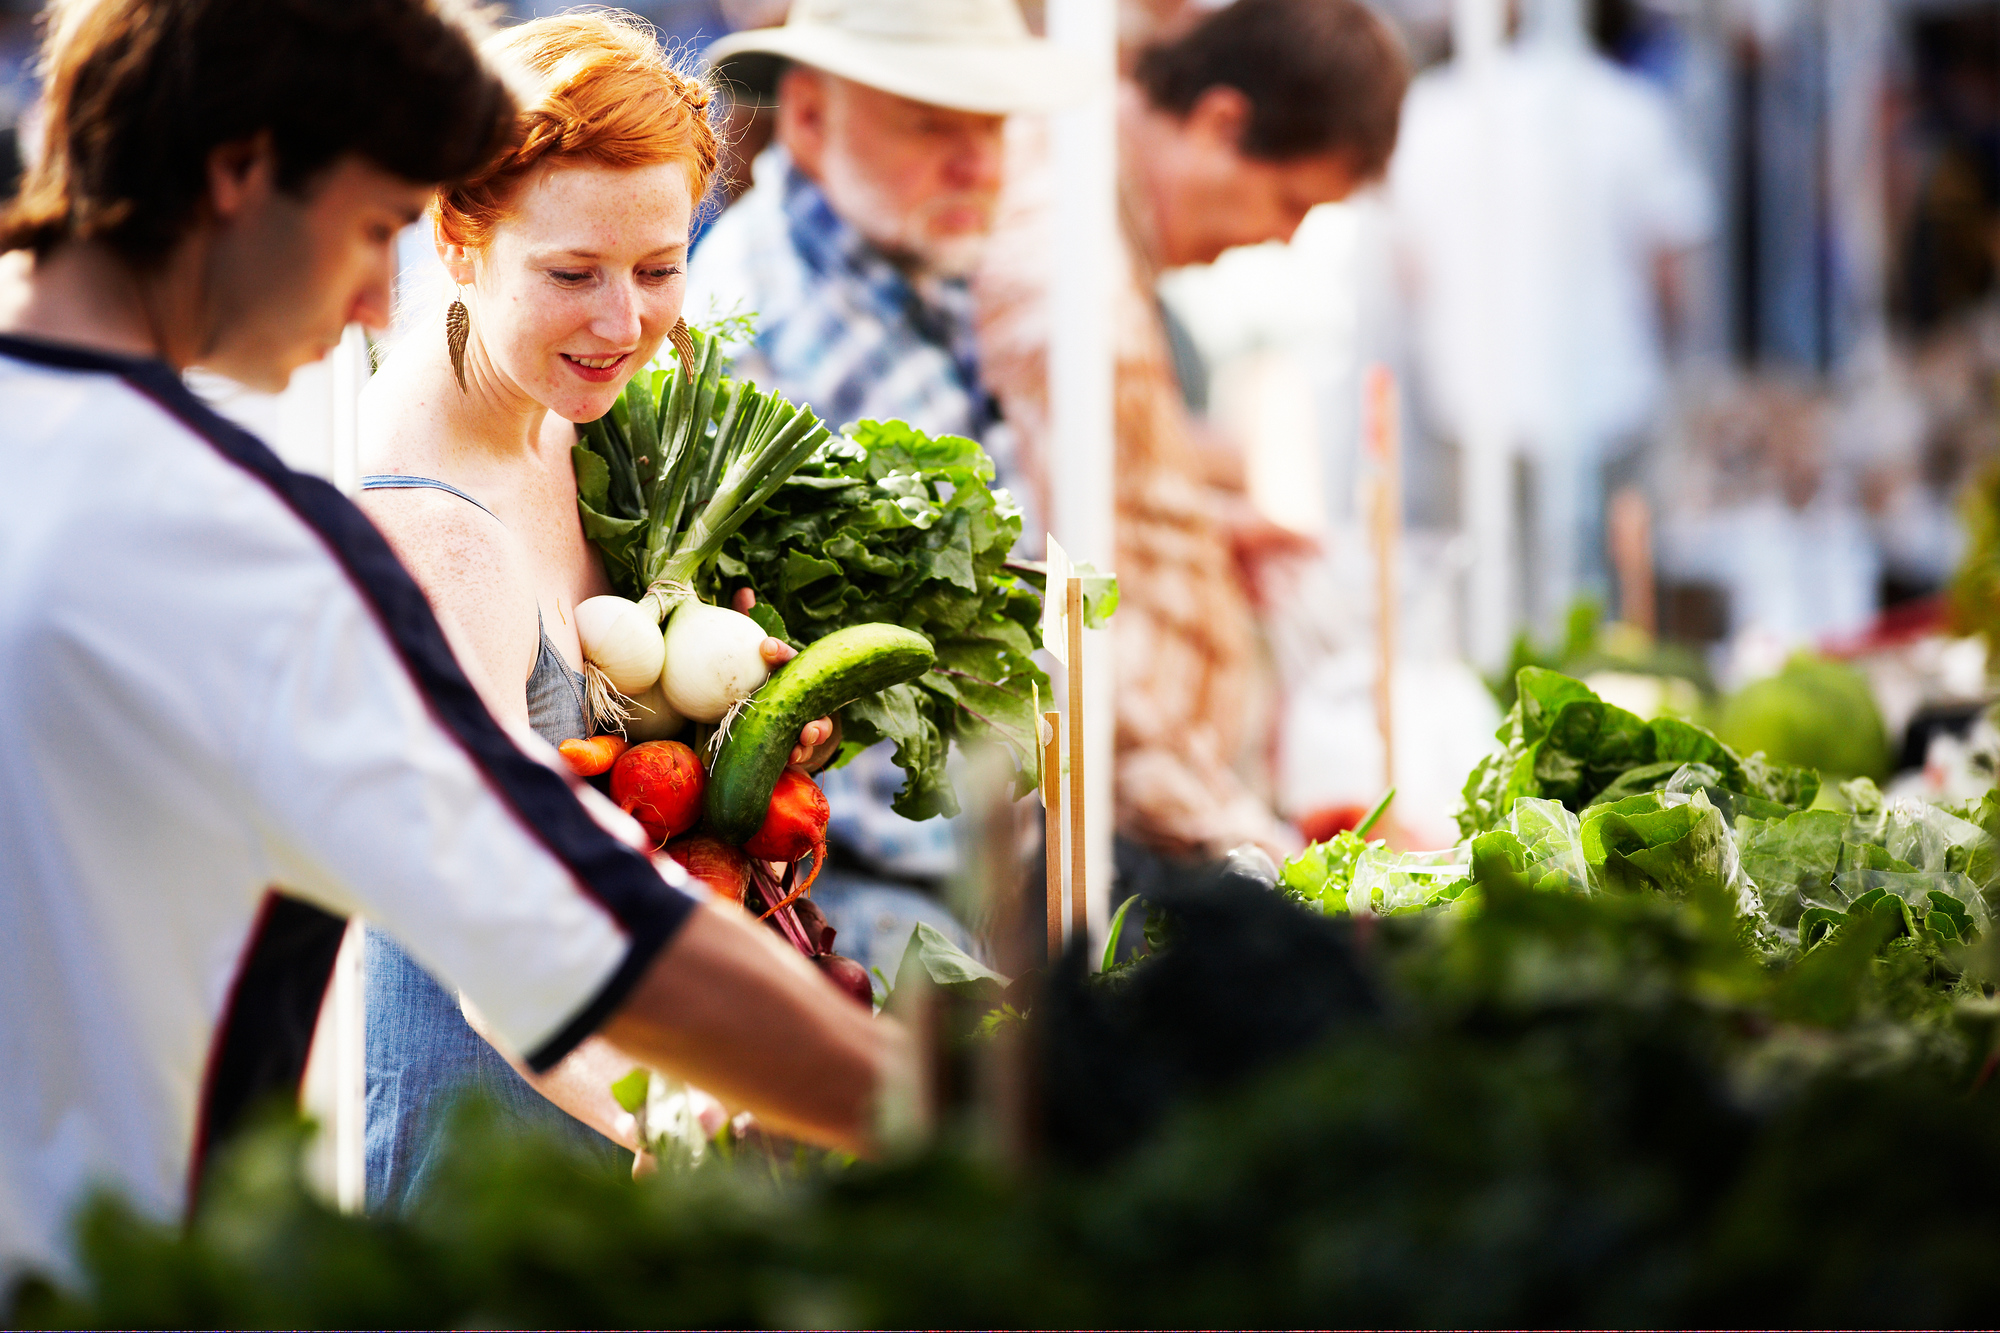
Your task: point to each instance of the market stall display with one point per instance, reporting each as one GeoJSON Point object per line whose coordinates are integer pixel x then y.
{"type": "Point", "coordinates": [1715, 1050]}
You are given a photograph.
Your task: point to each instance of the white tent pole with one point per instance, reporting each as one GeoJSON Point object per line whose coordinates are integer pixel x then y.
{"type": "Point", "coordinates": [1085, 264]}
{"type": "Point", "coordinates": [1487, 477]}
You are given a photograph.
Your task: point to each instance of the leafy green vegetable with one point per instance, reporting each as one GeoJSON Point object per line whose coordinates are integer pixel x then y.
{"type": "Point", "coordinates": [891, 525]}
{"type": "Point", "coordinates": [630, 1091]}
{"type": "Point", "coordinates": [1320, 875]}
{"type": "Point", "coordinates": [930, 958]}
{"type": "Point", "coordinates": [678, 463]}
{"type": "Point", "coordinates": [1563, 743]}
{"type": "Point", "coordinates": [1643, 842]}
{"type": "Point", "coordinates": [1675, 811]}
{"type": "Point", "coordinates": [1389, 883]}
{"type": "Point", "coordinates": [1780, 783]}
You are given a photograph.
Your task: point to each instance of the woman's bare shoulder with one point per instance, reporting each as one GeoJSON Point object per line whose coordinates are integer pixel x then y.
{"type": "Point", "coordinates": [399, 419]}
{"type": "Point", "coordinates": [467, 563]}
{"type": "Point", "coordinates": [455, 549]}
{"type": "Point", "coordinates": [472, 575]}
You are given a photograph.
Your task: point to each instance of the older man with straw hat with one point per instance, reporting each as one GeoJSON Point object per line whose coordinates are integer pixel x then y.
{"type": "Point", "coordinates": [868, 214]}
{"type": "Point", "coordinates": [869, 211]}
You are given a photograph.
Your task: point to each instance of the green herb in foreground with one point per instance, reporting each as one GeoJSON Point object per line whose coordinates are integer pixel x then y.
{"type": "Point", "coordinates": [1562, 1110]}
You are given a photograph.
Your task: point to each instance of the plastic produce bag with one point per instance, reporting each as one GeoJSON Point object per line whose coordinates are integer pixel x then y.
{"type": "Point", "coordinates": [1942, 901]}
{"type": "Point", "coordinates": [1919, 834]}
{"type": "Point", "coordinates": [1551, 838]}
{"type": "Point", "coordinates": [1822, 861]}
{"type": "Point", "coordinates": [1669, 842]}
{"type": "Point", "coordinates": [1734, 805]}
{"type": "Point", "coordinates": [1387, 882]}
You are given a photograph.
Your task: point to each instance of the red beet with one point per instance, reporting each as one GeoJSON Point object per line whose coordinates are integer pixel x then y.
{"type": "Point", "coordinates": [849, 975]}
{"type": "Point", "coordinates": [814, 923]}
{"type": "Point", "coordinates": [724, 868]}
{"type": "Point", "coordinates": [794, 824]}
{"type": "Point", "coordinates": [659, 784]}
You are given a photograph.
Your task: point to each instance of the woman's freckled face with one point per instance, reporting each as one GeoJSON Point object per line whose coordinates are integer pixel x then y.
{"type": "Point", "coordinates": [583, 281]}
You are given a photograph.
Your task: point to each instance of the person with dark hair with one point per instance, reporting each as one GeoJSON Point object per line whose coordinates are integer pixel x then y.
{"type": "Point", "coordinates": [1230, 132]}
{"type": "Point", "coordinates": [1242, 123]}
{"type": "Point", "coordinates": [230, 716]}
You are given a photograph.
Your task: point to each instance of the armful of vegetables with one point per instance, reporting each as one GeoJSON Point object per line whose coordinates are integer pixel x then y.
{"type": "Point", "coordinates": [663, 480]}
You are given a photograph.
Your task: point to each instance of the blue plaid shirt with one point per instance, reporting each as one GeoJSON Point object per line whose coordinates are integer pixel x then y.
{"type": "Point", "coordinates": [842, 329]}
{"type": "Point", "coordinates": [838, 326]}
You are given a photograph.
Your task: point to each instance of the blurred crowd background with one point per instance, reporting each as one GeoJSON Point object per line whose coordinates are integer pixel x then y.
{"type": "Point", "coordinates": [1691, 306]}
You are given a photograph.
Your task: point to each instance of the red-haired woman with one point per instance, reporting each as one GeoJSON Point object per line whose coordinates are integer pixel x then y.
{"type": "Point", "coordinates": [568, 253]}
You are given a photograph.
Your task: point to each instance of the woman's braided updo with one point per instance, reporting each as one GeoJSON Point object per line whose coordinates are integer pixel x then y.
{"type": "Point", "coordinates": [593, 86]}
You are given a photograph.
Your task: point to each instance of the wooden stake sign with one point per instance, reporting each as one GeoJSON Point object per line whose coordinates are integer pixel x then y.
{"type": "Point", "coordinates": [1051, 738]}
{"type": "Point", "coordinates": [1078, 843]}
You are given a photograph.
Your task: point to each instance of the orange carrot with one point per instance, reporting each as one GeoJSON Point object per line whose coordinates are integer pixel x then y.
{"type": "Point", "coordinates": [588, 758]}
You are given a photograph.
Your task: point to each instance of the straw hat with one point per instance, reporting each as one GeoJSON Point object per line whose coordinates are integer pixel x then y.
{"type": "Point", "coordinates": [970, 55]}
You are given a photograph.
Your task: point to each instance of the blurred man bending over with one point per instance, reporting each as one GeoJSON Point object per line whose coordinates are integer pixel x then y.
{"type": "Point", "coordinates": [1230, 132]}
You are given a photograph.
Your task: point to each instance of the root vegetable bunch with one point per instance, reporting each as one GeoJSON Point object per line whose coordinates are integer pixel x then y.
{"type": "Point", "coordinates": [661, 784]}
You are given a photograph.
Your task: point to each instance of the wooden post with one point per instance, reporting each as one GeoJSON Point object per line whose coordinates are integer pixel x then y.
{"type": "Point", "coordinates": [1383, 438]}
{"type": "Point", "coordinates": [1052, 803]}
{"type": "Point", "coordinates": [1629, 543]}
{"type": "Point", "coordinates": [1078, 878]}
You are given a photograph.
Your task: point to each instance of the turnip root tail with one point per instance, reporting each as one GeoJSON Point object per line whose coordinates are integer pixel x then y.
{"type": "Point", "coordinates": [607, 706]}
{"type": "Point", "coordinates": [736, 710]}
{"type": "Point", "coordinates": [628, 807]}
{"type": "Point", "coordinates": [819, 860]}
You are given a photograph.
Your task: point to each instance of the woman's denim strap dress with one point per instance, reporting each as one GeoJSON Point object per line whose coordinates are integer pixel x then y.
{"type": "Point", "coordinates": [421, 1052]}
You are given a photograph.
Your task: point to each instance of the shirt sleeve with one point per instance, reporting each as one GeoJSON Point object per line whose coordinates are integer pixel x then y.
{"type": "Point", "coordinates": [1673, 205]}
{"type": "Point", "coordinates": [385, 788]}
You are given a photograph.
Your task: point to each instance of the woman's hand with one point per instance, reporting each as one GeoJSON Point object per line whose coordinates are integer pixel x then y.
{"type": "Point", "coordinates": [819, 738]}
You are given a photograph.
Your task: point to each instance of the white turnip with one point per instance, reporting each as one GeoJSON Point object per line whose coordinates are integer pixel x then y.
{"type": "Point", "coordinates": [622, 640]}
{"type": "Point", "coordinates": [714, 660]}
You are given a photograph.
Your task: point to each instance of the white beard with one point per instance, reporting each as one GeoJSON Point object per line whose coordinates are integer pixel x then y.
{"type": "Point", "coordinates": [909, 237]}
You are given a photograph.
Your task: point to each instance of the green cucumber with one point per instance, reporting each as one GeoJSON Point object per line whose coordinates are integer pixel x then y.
{"type": "Point", "coordinates": [831, 672]}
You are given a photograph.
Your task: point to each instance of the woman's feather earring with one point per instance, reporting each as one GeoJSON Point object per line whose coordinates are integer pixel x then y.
{"type": "Point", "coordinates": [683, 343]}
{"type": "Point", "coordinates": [457, 328]}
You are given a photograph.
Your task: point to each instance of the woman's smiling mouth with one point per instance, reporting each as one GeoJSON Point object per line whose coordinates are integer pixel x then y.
{"type": "Point", "coordinates": [596, 369]}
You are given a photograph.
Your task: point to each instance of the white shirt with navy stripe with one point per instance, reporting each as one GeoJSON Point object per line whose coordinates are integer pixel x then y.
{"type": "Point", "coordinates": [227, 721]}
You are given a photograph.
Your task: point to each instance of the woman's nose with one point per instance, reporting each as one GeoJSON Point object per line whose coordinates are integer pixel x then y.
{"type": "Point", "coordinates": [616, 319]}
